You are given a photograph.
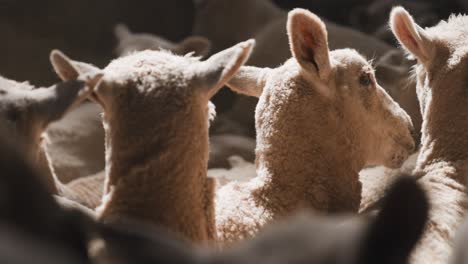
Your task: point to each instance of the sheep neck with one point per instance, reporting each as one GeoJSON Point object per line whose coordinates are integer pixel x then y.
{"type": "Point", "coordinates": [443, 178]}
{"type": "Point", "coordinates": [155, 177]}
{"type": "Point", "coordinates": [443, 150]}
{"type": "Point", "coordinates": [324, 181]}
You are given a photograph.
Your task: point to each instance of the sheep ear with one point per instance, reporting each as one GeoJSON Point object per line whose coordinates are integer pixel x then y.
{"type": "Point", "coordinates": [249, 80]}
{"type": "Point", "coordinates": [213, 73]}
{"type": "Point", "coordinates": [308, 39]}
{"type": "Point", "coordinates": [413, 38]}
{"type": "Point", "coordinates": [63, 66]}
{"type": "Point", "coordinates": [200, 45]}
{"type": "Point", "coordinates": [54, 102]}
{"type": "Point", "coordinates": [121, 31]}
{"type": "Point", "coordinates": [399, 225]}
{"type": "Point", "coordinates": [68, 69]}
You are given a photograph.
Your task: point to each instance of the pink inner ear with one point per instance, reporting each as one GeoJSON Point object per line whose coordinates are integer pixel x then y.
{"type": "Point", "coordinates": [406, 37]}
{"type": "Point", "coordinates": [309, 45]}
{"type": "Point", "coordinates": [410, 40]}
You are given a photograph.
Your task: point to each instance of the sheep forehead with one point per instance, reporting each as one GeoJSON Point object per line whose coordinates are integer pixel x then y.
{"type": "Point", "coordinates": [348, 59]}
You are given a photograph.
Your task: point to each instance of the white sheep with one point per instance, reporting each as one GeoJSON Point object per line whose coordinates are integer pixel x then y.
{"type": "Point", "coordinates": [27, 111]}
{"type": "Point", "coordinates": [264, 21]}
{"type": "Point", "coordinates": [75, 144]}
{"type": "Point", "coordinates": [321, 118]}
{"type": "Point", "coordinates": [441, 53]}
{"type": "Point", "coordinates": [131, 42]}
{"type": "Point", "coordinates": [222, 145]}
{"type": "Point", "coordinates": [156, 115]}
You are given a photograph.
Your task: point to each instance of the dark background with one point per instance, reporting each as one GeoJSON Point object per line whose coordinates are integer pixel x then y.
{"type": "Point", "coordinates": [83, 28]}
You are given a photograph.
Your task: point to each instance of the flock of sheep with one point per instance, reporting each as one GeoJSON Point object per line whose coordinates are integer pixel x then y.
{"type": "Point", "coordinates": [322, 121]}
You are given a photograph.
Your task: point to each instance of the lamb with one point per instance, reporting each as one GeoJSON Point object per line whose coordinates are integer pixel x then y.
{"type": "Point", "coordinates": [304, 238]}
{"type": "Point", "coordinates": [27, 111]}
{"type": "Point", "coordinates": [441, 55]}
{"type": "Point", "coordinates": [130, 42]}
{"type": "Point", "coordinates": [222, 145]}
{"type": "Point", "coordinates": [366, 241]}
{"type": "Point", "coordinates": [155, 104]}
{"type": "Point", "coordinates": [320, 119]}
{"type": "Point", "coordinates": [75, 145]}
{"type": "Point", "coordinates": [264, 21]}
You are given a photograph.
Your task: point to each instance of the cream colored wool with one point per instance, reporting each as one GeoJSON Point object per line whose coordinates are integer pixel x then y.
{"type": "Point", "coordinates": [156, 118]}
{"type": "Point", "coordinates": [27, 111]}
{"type": "Point", "coordinates": [264, 21]}
{"type": "Point", "coordinates": [321, 118]}
{"type": "Point", "coordinates": [442, 59]}
{"type": "Point", "coordinates": [75, 144]}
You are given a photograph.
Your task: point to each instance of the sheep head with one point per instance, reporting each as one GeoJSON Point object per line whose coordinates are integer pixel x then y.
{"type": "Point", "coordinates": [338, 88]}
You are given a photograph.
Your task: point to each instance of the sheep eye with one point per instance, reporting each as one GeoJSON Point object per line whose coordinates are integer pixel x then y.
{"type": "Point", "coordinates": [365, 80]}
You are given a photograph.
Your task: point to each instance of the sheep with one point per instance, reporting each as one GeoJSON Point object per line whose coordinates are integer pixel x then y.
{"type": "Point", "coordinates": [130, 42]}
{"type": "Point", "coordinates": [26, 111]}
{"type": "Point", "coordinates": [303, 238]}
{"type": "Point", "coordinates": [387, 239]}
{"type": "Point", "coordinates": [320, 119]}
{"type": "Point", "coordinates": [75, 144]}
{"type": "Point", "coordinates": [155, 104]}
{"type": "Point", "coordinates": [440, 73]}
{"type": "Point", "coordinates": [222, 145]}
{"type": "Point", "coordinates": [264, 21]}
